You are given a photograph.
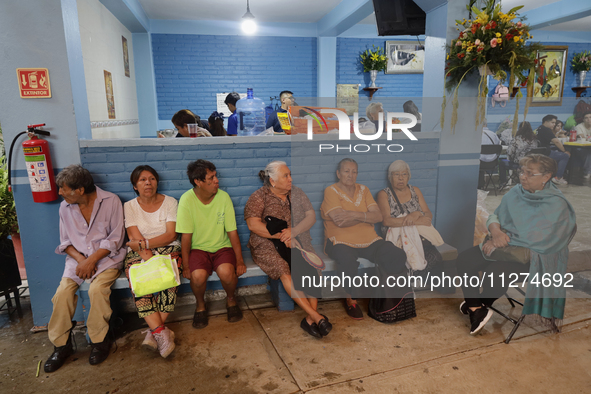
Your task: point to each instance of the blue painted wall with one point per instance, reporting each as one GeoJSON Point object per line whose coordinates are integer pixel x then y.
{"type": "Point", "coordinates": [46, 41]}
{"type": "Point", "coordinates": [350, 70]}
{"type": "Point", "coordinates": [191, 69]}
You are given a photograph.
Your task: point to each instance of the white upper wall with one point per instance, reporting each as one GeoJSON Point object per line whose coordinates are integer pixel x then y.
{"type": "Point", "coordinates": [102, 49]}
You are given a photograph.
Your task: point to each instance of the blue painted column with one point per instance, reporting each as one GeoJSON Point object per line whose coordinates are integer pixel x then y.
{"type": "Point", "coordinates": [145, 84]}
{"type": "Point", "coordinates": [327, 66]}
{"type": "Point", "coordinates": [50, 40]}
{"type": "Point", "coordinates": [459, 149]}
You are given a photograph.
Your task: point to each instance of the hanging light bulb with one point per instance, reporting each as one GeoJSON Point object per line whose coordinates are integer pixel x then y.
{"type": "Point", "coordinates": [249, 26]}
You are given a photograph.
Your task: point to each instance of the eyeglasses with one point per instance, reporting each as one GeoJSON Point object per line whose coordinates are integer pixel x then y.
{"type": "Point", "coordinates": [527, 174]}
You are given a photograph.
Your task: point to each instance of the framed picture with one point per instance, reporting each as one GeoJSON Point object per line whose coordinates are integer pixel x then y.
{"type": "Point", "coordinates": [125, 56]}
{"type": "Point", "coordinates": [405, 57]}
{"type": "Point", "coordinates": [109, 92]}
{"type": "Point", "coordinates": [548, 83]}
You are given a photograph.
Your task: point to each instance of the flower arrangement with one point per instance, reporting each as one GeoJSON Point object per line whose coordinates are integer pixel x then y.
{"type": "Point", "coordinates": [373, 59]}
{"type": "Point", "coordinates": [495, 43]}
{"type": "Point", "coordinates": [581, 62]}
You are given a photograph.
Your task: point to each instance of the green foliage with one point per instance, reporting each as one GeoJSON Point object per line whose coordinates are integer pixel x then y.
{"type": "Point", "coordinates": [373, 59]}
{"type": "Point", "coordinates": [8, 221]}
{"type": "Point", "coordinates": [581, 61]}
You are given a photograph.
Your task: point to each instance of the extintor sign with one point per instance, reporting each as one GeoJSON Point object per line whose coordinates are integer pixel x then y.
{"type": "Point", "coordinates": [33, 82]}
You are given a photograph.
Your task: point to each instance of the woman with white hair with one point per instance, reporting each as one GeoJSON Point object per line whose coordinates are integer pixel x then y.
{"type": "Point", "coordinates": [403, 206]}
{"type": "Point", "coordinates": [269, 214]}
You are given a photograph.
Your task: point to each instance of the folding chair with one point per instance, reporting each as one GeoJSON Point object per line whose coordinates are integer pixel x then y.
{"type": "Point", "coordinates": [506, 165]}
{"type": "Point", "coordinates": [490, 167]}
{"type": "Point", "coordinates": [512, 301]}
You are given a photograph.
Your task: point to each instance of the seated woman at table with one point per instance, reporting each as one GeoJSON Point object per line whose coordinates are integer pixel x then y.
{"type": "Point", "coordinates": [278, 203]}
{"type": "Point", "coordinates": [524, 141]}
{"type": "Point", "coordinates": [150, 220]}
{"type": "Point", "coordinates": [403, 205]}
{"type": "Point", "coordinates": [559, 131]}
{"type": "Point", "coordinates": [349, 213]}
{"type": "Point", "coordinates": [182, 118]}
{"type": "Point", "coordinates": [533, 215]}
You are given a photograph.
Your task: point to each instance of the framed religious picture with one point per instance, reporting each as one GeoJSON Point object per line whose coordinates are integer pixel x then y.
{"type": "Point", "coordinates": [125, 56]}
{"type": "Point", "coordinates": [405, 57]}
{"type": "Point", "coordinates": [109, 92]}
{"type": "Point", "coordinates": [548, 83]}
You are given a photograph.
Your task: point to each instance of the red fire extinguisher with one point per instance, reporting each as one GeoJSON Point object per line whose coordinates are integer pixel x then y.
{"type": "Point", "coordinates": [38, 161]}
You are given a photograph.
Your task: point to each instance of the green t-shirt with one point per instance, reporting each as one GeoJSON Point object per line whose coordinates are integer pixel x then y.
{"type": "Point", "coordinates": [209, 223]}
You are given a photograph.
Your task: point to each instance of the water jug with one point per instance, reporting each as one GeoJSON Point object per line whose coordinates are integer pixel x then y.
{"type": "Point", "coordinates": [251, 115]}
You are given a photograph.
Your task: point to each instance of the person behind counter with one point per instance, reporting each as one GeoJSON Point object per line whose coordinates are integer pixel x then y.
{"type": "Point", "coordinates": [216, 123]}
{"type": "Point", "coordinates": [287, 99]}
{"type": "Point", "coordinates": [182, 118]}
{"type": "Point", "coordinates": [231, 100]}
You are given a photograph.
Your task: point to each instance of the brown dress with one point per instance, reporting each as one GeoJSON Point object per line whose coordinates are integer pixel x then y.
{"type": "Point", "coordinates": [264, 203]}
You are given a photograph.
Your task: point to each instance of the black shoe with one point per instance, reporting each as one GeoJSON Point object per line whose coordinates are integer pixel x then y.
{"type": "Point", "coordinates": [100, 351]}
{"type": "Point", "coordinates": [354, 311]}
{"type": "Point", "coordinates": [200, 319]}
{"type": "Point", "coordinates": [58, 357]}
{"type": "Point", "coordinates": [324, 327]}
{"type": "Point", "coordinates": [60, 354]}
{"type": "Point", "coordinates": [311, 329]}
{"type": "Point", "coordinates": [234, 314]}
{"type": "Point", "coordinates": [464, 308]}
{"type": "Point", "coordinates": [478, 319]}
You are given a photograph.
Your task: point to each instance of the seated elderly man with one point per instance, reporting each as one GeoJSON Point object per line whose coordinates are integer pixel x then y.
{"type": "Point", "coordinates": [91, 235]}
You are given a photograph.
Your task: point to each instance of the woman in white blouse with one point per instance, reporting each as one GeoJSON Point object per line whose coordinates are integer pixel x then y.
{"type": "Point", "coordinates": [150, 220]}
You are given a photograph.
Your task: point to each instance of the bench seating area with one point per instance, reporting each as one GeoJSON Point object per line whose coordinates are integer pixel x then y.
{"type": "Point", "coordinates": [280, 297]}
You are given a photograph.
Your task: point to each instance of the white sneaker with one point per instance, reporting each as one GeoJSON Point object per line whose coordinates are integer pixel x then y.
{"type": "Point", "coordinates": [149, 342]}
{"type": "Point", "coordinates": [560, 181]}
{"type": "Point", "coordinates": [587, 176]}
{"type": "Point", "coordinates": [165, 342]}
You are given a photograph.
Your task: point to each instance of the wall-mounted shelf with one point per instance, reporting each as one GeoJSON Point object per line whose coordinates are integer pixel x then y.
{"type": "Point", "coordinates": [580, 90]}
{"type": "Point", "coordinates": [371, 91]}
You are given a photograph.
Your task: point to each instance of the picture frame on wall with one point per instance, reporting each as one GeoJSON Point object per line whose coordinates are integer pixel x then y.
{"type": "Point", "coordinates": [125, 56]}
{"type": "Point", "coordinates": [548, 86]}
{"type": "Point", "coordinates": [405, 57]}
{"type": "Point", "coordinates": [109, 93]}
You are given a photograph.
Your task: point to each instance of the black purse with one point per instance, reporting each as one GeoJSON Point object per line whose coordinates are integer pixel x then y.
{"type": "Point", "coordinates": [274, 226]}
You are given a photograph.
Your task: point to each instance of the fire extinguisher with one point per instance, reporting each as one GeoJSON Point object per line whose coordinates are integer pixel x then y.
{"type": "Point", "coordinates": [38, 161]}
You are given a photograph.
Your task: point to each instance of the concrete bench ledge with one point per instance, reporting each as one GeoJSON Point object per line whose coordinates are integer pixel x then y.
{"type": "Point", "coordinates": [252, 270]}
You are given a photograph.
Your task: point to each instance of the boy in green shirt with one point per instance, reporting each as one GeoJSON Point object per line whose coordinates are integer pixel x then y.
{"type": "Point", "coordinates": [209, 239]}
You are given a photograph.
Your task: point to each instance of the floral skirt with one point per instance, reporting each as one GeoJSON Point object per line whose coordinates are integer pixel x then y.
{"type": "Point", "coordinates": [164, 300]}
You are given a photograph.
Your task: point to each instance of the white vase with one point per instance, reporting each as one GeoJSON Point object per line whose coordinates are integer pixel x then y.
{"type": "Point", "coordinates": [582, 76]}
{"type": "Point", "coordinates": [373, 74]}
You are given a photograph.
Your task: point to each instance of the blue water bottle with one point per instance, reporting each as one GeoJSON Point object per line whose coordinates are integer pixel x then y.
{"type": "Point", "coordinates": [251, 115]}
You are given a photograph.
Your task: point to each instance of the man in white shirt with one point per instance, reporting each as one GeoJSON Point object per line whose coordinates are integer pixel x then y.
{"type": "Point", "coordinates": [583, 130]}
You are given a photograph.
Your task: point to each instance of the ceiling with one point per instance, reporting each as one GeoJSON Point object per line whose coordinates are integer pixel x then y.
{"type": "Point", "coordinates": [299, 11]}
